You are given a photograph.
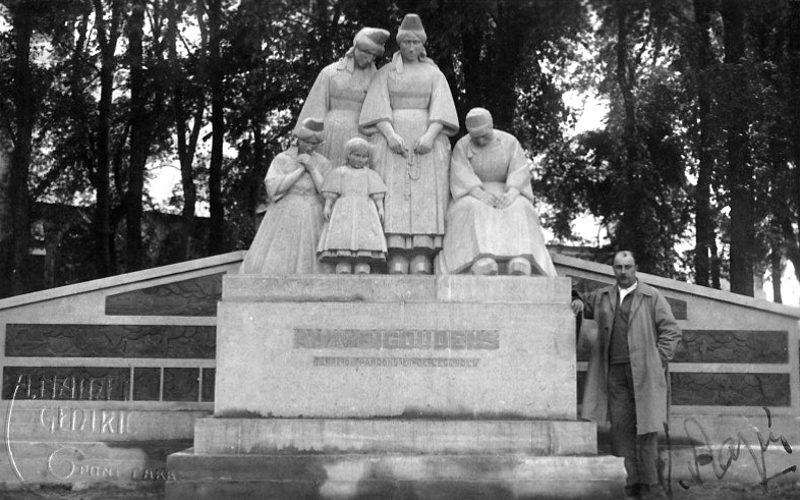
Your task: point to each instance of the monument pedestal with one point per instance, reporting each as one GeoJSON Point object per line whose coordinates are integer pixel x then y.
{"type": "Point", "coordinates": [395, 387]}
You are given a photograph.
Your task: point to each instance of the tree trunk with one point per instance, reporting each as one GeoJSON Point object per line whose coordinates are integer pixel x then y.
{"type": "Point", "coordinates": [509, 39]}
{"type": "Point", "coordinates": [107, 34]}
{"type": "Point", "coordinates": [216, 237]}
{"type": "Point", "coordinates": [793, 30]}
{"type": "Point", "coordinates": [324, 54]}
{"type": "Point", "coordinates": [259, 172]}
{"type": "Point", "coordinates": [186, 147]}
{"type": "Point", "coordinates": [15, 268]}
{"type": "Point", "coordinates": [776, 271]}
{"type": "Point", "coordinates": [629, 235]}
{"type": "Point", "coordinates": [704, 226]}
{"type": "Point", "coordinates": [737, 143]}
{"type": "Point", "coordinates": [6, 214]}
{"type": "Point", "coordinates": [134, 248]}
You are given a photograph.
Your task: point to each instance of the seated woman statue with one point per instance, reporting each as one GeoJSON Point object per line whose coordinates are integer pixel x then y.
{"type": "Point", "coordinates": [492, 226]}
{"type": "Point", "coordinates": [286, 241]}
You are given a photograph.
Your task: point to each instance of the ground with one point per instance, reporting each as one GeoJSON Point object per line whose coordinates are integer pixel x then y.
{"type": "Point", "coordinates": [715, 491]}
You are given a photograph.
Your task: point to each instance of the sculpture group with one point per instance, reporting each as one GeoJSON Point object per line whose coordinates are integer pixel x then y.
{"type": "Point", "coordinates": [371, 181]}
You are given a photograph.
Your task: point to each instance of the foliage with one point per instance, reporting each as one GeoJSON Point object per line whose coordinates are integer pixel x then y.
{"type": "Point", "coordinates": [656, 169]}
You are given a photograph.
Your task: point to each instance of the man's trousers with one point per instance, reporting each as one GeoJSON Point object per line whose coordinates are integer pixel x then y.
{"type": "Point", "coordinates": [640, 451]}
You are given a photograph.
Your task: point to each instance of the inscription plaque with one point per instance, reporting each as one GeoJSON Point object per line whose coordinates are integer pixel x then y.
{"type": "Point", "coordinates": [396, 339]}
{"type": "Point", "coordinates": [356, 362]}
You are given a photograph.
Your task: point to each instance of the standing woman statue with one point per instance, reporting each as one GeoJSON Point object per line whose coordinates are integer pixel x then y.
{"type": "Point", "coordinates": [339, 91]}
{"type": "Point", "coordinates": [286, 241]}
{"type": "Point", "coordinates": [409, 112]}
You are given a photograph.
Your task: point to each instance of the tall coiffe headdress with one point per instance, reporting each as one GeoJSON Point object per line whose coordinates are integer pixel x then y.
{"type": "Point", "coordinates": [311, 128]}
{"type": "Point", "coordinates": [411, 25]}
{"type": "Point", "coordinates": [479, 121]}
{"type": "Point", "coordinates": [371, 40]}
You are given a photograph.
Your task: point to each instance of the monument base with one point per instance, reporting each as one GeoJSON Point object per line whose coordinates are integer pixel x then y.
{"type": "Point", "coordinates": [423, 387]}
{"type": "Point", "coordinates": [440, 477]}
{"type": "Point", "coordinates": [393, 459]}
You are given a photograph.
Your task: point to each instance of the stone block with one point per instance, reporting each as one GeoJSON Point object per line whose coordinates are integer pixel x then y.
{"type": "Point", "coordinates": [459, 346]}
{"type": "Point", "coordinates": [442, 358]}
{"type": "Point", "coordinates": [84, 443]}
{"type": "Point", "coordinates": [270, 436]}
{"type": "Point", "coordinates": [440, 477]}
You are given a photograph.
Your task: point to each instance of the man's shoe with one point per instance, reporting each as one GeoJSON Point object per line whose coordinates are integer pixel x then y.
{"type": "Point", "coordinates": [652, 492]}
{"type": "Point", "coordinates": [632, 491]}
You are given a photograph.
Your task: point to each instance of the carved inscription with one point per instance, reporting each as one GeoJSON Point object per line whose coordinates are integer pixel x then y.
{"type": "Point", "coordinates": [465, 340]}
{"type": "Point", "coordinates": [399, 362]}
{"type": "Point", "coordinates": [77, 420]}
{"type": "Point", "coordinates": [65, 383]}
{"type": "Point", "coordinates": [68, 463]}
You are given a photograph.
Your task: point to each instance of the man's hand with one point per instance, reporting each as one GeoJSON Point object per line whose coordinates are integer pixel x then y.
{"type": "Point", "coordinates": [577, 306]}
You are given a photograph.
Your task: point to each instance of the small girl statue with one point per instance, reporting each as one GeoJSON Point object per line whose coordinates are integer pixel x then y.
{"type": "Point", "coordinates": [353, 236]}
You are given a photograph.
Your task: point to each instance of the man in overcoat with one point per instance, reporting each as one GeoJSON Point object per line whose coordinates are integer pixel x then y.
{"type": "Point", "coordinates": [637, 336]}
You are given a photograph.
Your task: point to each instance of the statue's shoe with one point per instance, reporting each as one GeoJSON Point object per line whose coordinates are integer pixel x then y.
{"type": "Point", "coordinates": [484, 267]}
{"type": "Point", "coordinates": [421, 264]}
{"type": "Point", "coordinates": [519, 266]}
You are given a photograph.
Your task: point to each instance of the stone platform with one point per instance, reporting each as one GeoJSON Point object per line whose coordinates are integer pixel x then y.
{"type": "Point", "coordinates": [256, 436]}
{"type": "Point", "coordinates": [394, 477]}
{"type": "Point", "coordinates": [394, 387]}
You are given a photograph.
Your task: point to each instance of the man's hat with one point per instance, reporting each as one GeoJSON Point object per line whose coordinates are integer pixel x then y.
{"type": "Point", "coordinates": [371, 40]}
{"type": "Point", "coordinates": [311, 128]}
{"type": "Point", "coordinates": [411, 25]}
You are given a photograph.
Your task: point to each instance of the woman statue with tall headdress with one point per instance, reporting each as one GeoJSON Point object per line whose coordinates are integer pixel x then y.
{"type": "Point", "coordinates": [409, 113]}
{"type": "Point", "coordinates": [339, 91]}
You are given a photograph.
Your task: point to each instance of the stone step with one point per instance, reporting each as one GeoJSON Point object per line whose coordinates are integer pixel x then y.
{"type": "Point", "coordinates": [533, 437]}
{"type": "Point", "coordinates": [393, 476]}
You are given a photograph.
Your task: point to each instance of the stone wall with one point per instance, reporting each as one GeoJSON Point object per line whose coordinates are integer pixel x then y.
{"type": "Point", "coordinates": [103, 380]}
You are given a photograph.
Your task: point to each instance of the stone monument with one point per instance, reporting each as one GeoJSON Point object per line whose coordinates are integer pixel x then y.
{"type": "Point", "coordinates": [408, 386]}
{"type": "Point", "coordinates": [395, 387]}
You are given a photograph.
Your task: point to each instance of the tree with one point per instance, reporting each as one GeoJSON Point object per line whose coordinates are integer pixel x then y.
{"type": "Point", "coordinates": [792, 65]}
{"type": "Point", "coordinates": [6, 212]}
{"type": "Point", "coordinates": [139, 140]}
{"type": "Point", "coordinates": [631, 174]}
{"type": "Point", "coordinates": [217, 237]}
{"type": "Point", "coordinates": [740, 173]}
{"type": "Point", "coordinates": [16, 238]}
{"type": "Point", "coordinates": [108, 31]}
{"type": "Point", "coordinates": [706, 262]}
{"type": "Point", "coordinates": [188, 100]}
